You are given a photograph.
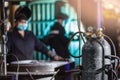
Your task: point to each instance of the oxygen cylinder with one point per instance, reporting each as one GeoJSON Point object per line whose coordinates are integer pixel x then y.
{"type": "Point", "coordinates": [93, 53]}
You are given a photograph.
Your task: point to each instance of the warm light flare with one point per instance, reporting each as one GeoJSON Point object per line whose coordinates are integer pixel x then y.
{"type": "Point", "coordinates": [111, 8]}
{"type": "Point", "coordinates": [110, 14]}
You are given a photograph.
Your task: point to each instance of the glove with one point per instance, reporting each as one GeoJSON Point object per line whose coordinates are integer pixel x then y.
{"type": "Point", "coordinates": [54, 56]}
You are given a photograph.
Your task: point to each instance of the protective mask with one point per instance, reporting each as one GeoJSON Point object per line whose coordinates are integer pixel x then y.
{"type": "Point", "coordinates": [22, 26]}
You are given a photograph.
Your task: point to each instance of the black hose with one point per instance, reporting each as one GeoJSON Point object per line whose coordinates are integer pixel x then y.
{"type": "Point", "coordinates": [71, 40]}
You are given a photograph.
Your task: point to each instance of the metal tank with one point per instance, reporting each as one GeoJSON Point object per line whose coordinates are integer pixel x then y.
{"type": "Point", "coordinates": [93, 53]}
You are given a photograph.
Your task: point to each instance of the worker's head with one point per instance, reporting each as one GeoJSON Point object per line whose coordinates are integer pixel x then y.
{"type": "Point", "coordinates": [21, 22]}
{"type": "Point", "coordinates": [60, 17]}
{"type": "Point", "coordinates": [22, 14]}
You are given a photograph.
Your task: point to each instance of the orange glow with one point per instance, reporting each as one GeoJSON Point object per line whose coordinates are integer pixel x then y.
{"type": "Point", "coordinates": [110, 13]}
{"type": "Point", "coordinates": [111, 8]}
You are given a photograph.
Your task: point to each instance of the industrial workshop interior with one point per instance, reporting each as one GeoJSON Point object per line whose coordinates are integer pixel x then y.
{"type": "Point", "coordinates": [59, 39]}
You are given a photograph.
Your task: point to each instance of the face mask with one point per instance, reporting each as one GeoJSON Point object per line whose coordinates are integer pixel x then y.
{"type": "Point", "coordinates": [22, 26]}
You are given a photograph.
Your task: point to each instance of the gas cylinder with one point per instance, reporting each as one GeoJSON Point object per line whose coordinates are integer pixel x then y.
{"type": "Point", "coordinates": [93, 53]}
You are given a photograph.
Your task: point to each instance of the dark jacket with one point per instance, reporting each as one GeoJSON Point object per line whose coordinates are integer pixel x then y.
{"type": "Point", "coordinates": [23, 47]}
{"type": "Point", "coordinates": [58, 41]}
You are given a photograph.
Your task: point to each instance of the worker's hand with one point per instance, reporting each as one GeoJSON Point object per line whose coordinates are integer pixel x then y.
{"type": "Point", "coordinates": [58, 58]}
{"type": "Point", "coordinates": [55, 57]}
